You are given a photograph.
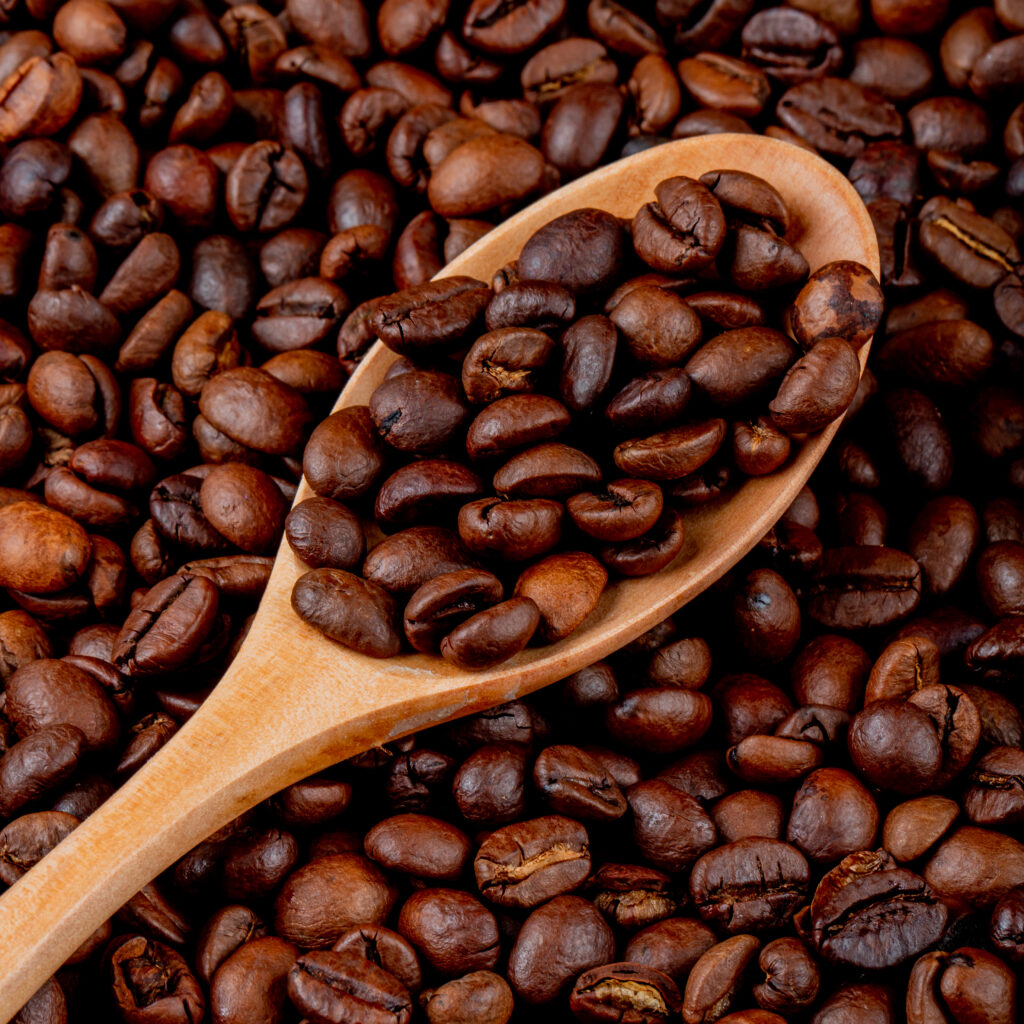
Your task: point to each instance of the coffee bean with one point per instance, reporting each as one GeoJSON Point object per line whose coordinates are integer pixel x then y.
{"type": "Point", "coordinates": [526, 864]}
{"type": "Point", "coordinates": [333, 986]}
{"type": "Point", "coordinates": [322, 899]}
{"type": "Point", "coordinates": [752, 884]}
{"type": "Point", "coordinates": [875, 885]}
{"type": "Point", "coordinates": [353, 611]}
{"type": "Point", "coordinates": [558, 941]}
{"type": "Point", "coordinates": [453, 931]}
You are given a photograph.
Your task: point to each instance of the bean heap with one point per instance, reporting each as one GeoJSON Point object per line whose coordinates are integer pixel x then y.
{"type": "Point", "coordinates": [799, 799]}
{"type": "Point", "coordinates": [542, 367]}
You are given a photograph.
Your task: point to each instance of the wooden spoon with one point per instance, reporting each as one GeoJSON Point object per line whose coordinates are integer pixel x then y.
{"type": "Point", "coordinates": [293, 702]}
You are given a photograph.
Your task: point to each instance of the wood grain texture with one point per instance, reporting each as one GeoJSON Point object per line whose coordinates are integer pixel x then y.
{"type": "Point", "coordinates": [293, 702]}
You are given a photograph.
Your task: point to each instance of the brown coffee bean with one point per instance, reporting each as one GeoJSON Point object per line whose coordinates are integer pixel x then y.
{"type": "Point", "coordinates": [483, 174]}
{"type": "Point", "coordinates": [168, 627]}
{"type": "Point", "coordinates": [514, 422]}
{"type": "Point", "coordinates": [325, 534]}
{"type": "Point", "coordinates": [504, 362]}
{"type": "Point", "coordinates": [753, 884]}
{"type": "Point", "coordinates": [671, 454]}
{"type": "Point", "coordinates": [837, 116]}
{"type": "Point", "coordinates": [861, 587]}
{"type": "Point", "coordinates": [670, 828]}
{"type": "Point", "coordinates": [556, 943]}
{"type": "Point", "coordinates": [738, 365]}
{"type": "Point", "coordinates": [344, 455]}
{"type": "Point", "coordinates": [357, 613]}
{"type": "Point", "coordinates": [833, 815]}
{"type": "Point", "coordinates": [327, 985]}
{"type": "Point", "coordinates": [452, 930]}
{"type": "Point", "coordinates": [492, 635]}
{"type": "Point", "coordinates": [716, 978]}
{"type": "Point", "coordinates": [589, 348]}
{"type": "Point", "coordinates": [526, 864]}
{"type": "Point", "coordinates": [444, 601]}
{"type": "Point", "coordinates": [321, 900]}
{"type": "Point", "coordinates": [434, 316]}
{"type": "Point", "coordinates": [895, 746]}
{"type": "Point", "coordinates": [874, 885]}
{"type": "Point", "coordinates": [582, 251]}
{"type": "Point", "coordinates": [41, 551]}
{"type": "Point", "coordinates": [151, 980]}
{"type": "Point", "coordinates": [683, 231]}
{"type": "Point", "coordinates": [420, 846]}
{"type": "Point", "coordinates": [566, 588]}
{"type": "Point", "coordinates": [420, 412]}
{"type": "Point", "coordinates": [817, 388]}
{"type": "Point", "coordinates": [408, 559]}
{"type": "Point", "coordinates": [914, 826]}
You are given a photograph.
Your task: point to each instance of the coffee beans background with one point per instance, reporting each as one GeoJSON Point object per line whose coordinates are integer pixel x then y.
{"type": "Point", "coordinates": [800, 797]}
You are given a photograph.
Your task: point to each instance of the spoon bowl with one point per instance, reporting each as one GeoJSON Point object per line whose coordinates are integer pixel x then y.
{"type": "Point", "coordinates": [293, 702]}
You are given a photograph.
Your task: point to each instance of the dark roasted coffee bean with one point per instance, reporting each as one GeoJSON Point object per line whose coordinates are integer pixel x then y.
{"type": "Point", "coordinates": [420, 412]}
{"type": "Point", "coordinates": [492, 635]}
{"type": "Point", "coordinates": [514, 530]}
{"type": "Point", "coordinates": [526, 864]}
{"type": "Point", "coordinates": [407, 559]}
{"type": "Point", "coordinates": [556, 943]}
{"type": "Point", "coordinates": [169, 627]}
{"type": "Point", "coordinates": [861, 587]}
{"type": "Point", "coordinates": [837, 116]}
{"type": "Point", "coordinates": [716, 978]}
{"type": "Point", "coordinates": [434, 316]}
{"type": "Point", "coordinates": [874, 885]}
{"type": "Point", "coordinates": [444, 601]}
{"type": "Point", "coordinates": [626, 991]}
{"type": "Point", "coordinates": [753, 884]}
{"type": "Point", "coordinates": [326, 985]}
{"type": "Point", "coordinates": [582, 251]}
{"type": "Point", "coordinates": [683, 231]}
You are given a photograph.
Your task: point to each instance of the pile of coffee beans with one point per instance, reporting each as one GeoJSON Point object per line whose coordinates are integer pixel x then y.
{"type": "Point", "coordinates": [799, 799]}
{"type": "Point", "coordinates": [572, 413]}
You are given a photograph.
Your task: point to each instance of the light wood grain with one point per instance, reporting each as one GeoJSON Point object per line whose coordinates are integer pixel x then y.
{"type": "Point", "coordinates": [293, 702]}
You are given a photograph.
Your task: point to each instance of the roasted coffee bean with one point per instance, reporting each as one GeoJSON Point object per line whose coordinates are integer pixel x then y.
{"type": "Point", "coordinates": [325, 534]}
{"type": "Point", "coordinates": [344, 456]}
{"type": "Point", "coordinates": [327, 985]}
{"type": "Point", "coordinates": [151, 979]}
{"type": "Point", "coordinates": [582, 251]}
{"type": "Point", "coordinates": [434, 316]}
{"type": "Point", "coordinates": [493, 635]}
{"type": "Point", "coordinates": [817, 388]}
{"type": "Point", "coordinates": [407, 559]}
{"type": "Point", "coordinates": [353, 611]}
{"type": "Point", "coordinates": [505, 361]}
{"type": "Point", "coordinates": [445, 601]}
{"type": "Point", "coordinates": [516, 530]}
{"type": "Point", "coordinates": [792, 978]}
{"type": "Point", "coordinates": [451, 929]}
{"type": "Point", "coordinates": [905, 915]}
{"type": "Point", "coordinates": [716, 978]}
{"type": "Point", "coordinates": [526, 864]}
{"type": "Point", "coordinates": [168, 627]}
{"type": "Point", "coordinates": [321, 900]}
{"type": "Point", "coordinates": [833, 815]}
{"type": "Point", "coordinates": [837, 116]}
{"type": "Point", "coordinates": [683, 231]}
{"type": "Point", "coordinates": [862, 587]}
{"type": "Point", "coordinates": [670, 828]}
{"type": "Point", "coordinates": [558, 941]}
{"type": "Point", "coordinates": [752, 884]}
{"type": "Point", "coordinates": [626, 991]}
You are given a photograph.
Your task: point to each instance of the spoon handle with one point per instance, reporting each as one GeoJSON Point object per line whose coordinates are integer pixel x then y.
{"type": "Point", "coordinates": [238, 749]}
